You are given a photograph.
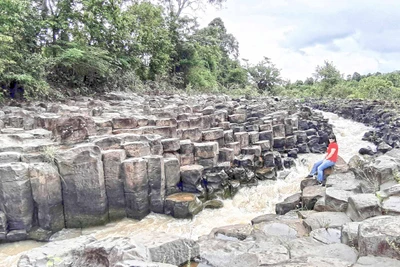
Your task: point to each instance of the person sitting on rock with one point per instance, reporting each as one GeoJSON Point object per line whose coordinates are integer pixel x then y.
{"type": "Point", "coordinates": [329, 160]}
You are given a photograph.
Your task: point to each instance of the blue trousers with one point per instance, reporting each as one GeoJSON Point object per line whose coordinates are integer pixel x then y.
{"type": "Point", "coordinates": [319, 167]}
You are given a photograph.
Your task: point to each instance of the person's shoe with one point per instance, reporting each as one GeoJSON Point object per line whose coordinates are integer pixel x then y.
{"type": "Point", "coordinates": [310, 176]}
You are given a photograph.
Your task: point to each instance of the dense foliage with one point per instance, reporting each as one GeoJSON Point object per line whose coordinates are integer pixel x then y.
{"type": "Point", "coordinates": [68, 47]}
{"type": "Point", "coordinates": [329, 82]}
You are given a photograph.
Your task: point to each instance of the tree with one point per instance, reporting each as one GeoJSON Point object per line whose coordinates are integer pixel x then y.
{"type": "Point", "coordinates": [176, 7]}
{"type": "Point", "coordinates": [327, 74]}
{"type": "Point", "coordinates": [309, 81]}
{"type": "Point", "coordinates": [264, 74]}
{"type": "Point", "coordinates": [356, 76]}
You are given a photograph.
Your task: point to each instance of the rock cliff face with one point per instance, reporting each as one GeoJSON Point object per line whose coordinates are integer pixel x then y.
{"type": "Point", "coordinates": [85, 162]}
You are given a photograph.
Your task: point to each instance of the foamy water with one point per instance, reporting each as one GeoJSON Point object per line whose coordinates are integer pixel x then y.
{"type": "Point", "coordinates": [247, 204]}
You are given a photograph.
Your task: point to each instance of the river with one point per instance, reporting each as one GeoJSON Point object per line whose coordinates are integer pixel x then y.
{"type": "Point", "coordinates": [246, 205]}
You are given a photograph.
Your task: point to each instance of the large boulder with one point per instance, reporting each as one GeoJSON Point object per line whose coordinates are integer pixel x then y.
{"type": "Point", "coordinates": [69, 130]}
{"type": "Point", "coordinates": [182, 205]}
{"type": "Point", "coordinates": [156, 179]}
{"type": "Point", "coordinates": [379, 236]}
{"type": "Point", "coordinates": [326, 220]}
{"type": "Point", "coordinates": [112, 160]}
{"type": "Point", "coordinates": [47, 196]}
{"type": "Point", "coordinates": [136, 187]}
{"type": "Point", "coordinates": [16, 196]}
{"type": "Point", "coordinates": [363, 206]}
{"type": "Point", "coordinates": [83, 186]}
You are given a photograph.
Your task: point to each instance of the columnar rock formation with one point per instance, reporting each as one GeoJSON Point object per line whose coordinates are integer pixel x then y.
{"type": "Point", "coordinates": [85, 162]}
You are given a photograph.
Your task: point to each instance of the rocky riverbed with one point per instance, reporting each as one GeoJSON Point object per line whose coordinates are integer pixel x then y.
{"type": "Point", "coordinates": [86, 162]}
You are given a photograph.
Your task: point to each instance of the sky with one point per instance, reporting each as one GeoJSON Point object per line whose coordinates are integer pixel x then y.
{"type": "Point", "coordinates": [297, 35]}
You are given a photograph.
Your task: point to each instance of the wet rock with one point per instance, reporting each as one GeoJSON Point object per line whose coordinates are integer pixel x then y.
{"type": "Point", "coordinates": [266, 173]}
{"type": "Point", "coordinates": [290, 203]}
{"type": "Point", "coordinates": [182, 205]}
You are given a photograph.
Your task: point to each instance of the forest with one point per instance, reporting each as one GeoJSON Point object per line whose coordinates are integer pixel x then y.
{"type": "Point", "coordinates": [58, 48]}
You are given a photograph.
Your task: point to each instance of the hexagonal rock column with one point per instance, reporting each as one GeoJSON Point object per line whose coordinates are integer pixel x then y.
{"type": "Point", "coordinates": [186, 152]}
{"type": "Point", "coordinates": [156, 179]}
{"type": "Point", "coordinates": [137, 149]}
{"type": "Point", "coordinates": [154, 140]}
{"type": "Point", "coordinates": [170, 144]}
{"type": "Point", "coordinates": [83, 188]}
{"type": "Point", "coordinates": [112, 160]}
{"type": "Point", "coordinates": [242, 138]}
{"type": "Point", "coordinates": [136, 188]}
{"type": "Point", "coordinates": [191, 177]}
{"type": "Point", "coordinates": [74, 129]}
{"type": "Point", "coordinates": [172, 175]}
{"type": "Point", "coordinates": [182, 205]}
{"type": "Point", "coordinates": [47, 196]}
{"type": "Point", "coordinates": [16, 196]}
{"type": "Point", "coordinates": [206, 154]}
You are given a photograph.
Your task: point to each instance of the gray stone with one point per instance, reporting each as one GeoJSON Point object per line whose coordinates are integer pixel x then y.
{"type": "Point", "coordinates": [154, 141]}
{"type": "Point", "coordinates": [326, 220]}
{"type": "Point", "coordinates": [112, 160]}
{"type": "Point", "coordinates": [371, 261]}
{"type": "Point", "coordinates": [391, 205]}
{"type": "Point", "coordinates": [242, 138]}
{"type": "Point", "coordinates": [337, 199]}
{"type": "Point", "coordinates": [182, 205]}
{"type": "Point", "coordinates": [344, 181]}
{"type": "Point", "coordinates": [363, 206]}
{"type": "Point", "coordinates": [136, 188]}
{"type": "Point", "coordinates": [311, 194]}
{"type": "Point", "coordinates": [47, 196]}
{"type": "Point", "coordinates": [290, 203]}
{"type": "Point", "coordinates": [137, 149]}
{"type": "Point", "coordinates": [8, 157]}
{"type": "Point", "coordinates": [156, 179]}
{"type": "Point", "coordinates": [350, 234]}
{"type": "Point", "coordinates": [83, 187]}
{"type": "Point", "coordinates": [193, 134]}
{"type": "Point", "coordinates": [206, 150]}
{"type": "Point", "coordinates": [170, 144]}
{"type": "Point", "coordinates": [191, 174]}
{"type": "Point", "coordinates": [326, 235]}
{"type": "Point", "coordinates": [213, 134]}
{"type": "Point", "coordinates": [379, 236]}
{"type": "Point", "coordinates": [16, 195]}
{"type": "Point", "coordinates": [172, 175]}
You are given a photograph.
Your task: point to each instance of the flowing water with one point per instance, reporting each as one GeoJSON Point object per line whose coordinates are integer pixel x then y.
{"type": "Point", "coordinates": [246, 205]}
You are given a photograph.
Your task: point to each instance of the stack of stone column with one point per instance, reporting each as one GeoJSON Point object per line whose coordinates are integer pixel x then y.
{"type": "Point", "coordinates": [86, 162]}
